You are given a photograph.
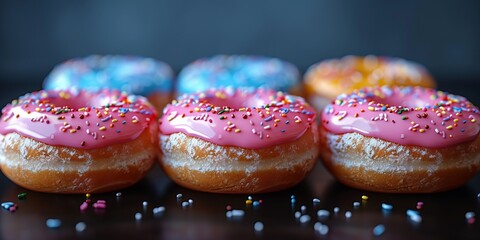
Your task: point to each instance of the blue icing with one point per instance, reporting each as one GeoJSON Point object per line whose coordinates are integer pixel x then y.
{"type": "Point", "coordinates": [237, 71]}
{"type": "Point", "coordinates": [134, 75]}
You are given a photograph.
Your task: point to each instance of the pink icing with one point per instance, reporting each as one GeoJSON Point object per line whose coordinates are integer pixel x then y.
{"type": "Point", "coordinates": [78, 119]}
{"type": "Point", "coordinates": [244, 118]}
{"type": "Point", "coordinates": [408, 116]}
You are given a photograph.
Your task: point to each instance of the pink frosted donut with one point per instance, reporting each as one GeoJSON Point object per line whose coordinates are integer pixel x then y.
{"type": "Point", "coordinates": [77, 141]}
{"type": "Point", "coordinates": [238, 141]}
{"type": "Point", "coordinates": [405, 140]}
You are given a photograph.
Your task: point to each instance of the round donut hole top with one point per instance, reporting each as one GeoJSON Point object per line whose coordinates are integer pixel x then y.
{"type": "Point", "coordinates": [409, 102]}
{"type": "Point", "coordinates": [82, 100]}
{"type": "Point", "coordinates": [239, 101]}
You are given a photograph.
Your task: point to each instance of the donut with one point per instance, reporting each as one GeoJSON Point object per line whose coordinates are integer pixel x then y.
{"type": "Point", "coordinates": [239, 71]}
{"type": "Point", "coordinates": [133, 74]}
{"type": "Point", "coordinates": [401, 139]}
{"type": "Point", "coordinates": [329, 78]}
{"type": "Point", "coordinates": [238, 140]}
{"type": "Point", "coordinates": [77, 141]}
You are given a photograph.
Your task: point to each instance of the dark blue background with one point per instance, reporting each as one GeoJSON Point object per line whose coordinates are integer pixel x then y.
{"type": "Point", "coordinates": [442, 35]}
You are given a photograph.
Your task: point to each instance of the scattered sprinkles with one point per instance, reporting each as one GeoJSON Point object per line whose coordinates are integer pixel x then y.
{"type": "Point", "coordinates": [321, 228]}
{"type": "Point", "coordinates": [80, 227]}
{"type": "Point", "coordinates": [22, 196]}
{"type": "Point", "coordinates": [53, 223]}
{"type": "Point", "coordinates": [387, 207]}
{"type": "Point", "coordinates": [10, 206]}
{"type": "Point", "coordinates": [378, 230]}
{"type": "Point", "coordinates": [158, 210]}
{"type": "Point", "coordinates": [235, 213]}
{"type": "Point", "coordinates": [323, 213]}
{"type": "Point", "coordinates": [470, 217]}
{"type": "Point", "coordinates": [258, 226]}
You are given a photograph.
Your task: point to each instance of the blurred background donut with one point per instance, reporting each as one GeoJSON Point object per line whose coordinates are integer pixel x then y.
{"type": "Point", "coordinates": [440, 35]}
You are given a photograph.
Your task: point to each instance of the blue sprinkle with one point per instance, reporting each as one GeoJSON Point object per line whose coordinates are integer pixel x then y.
{"type": "Point", "coordinates": [387, 207]}
{"type": "Point", "coordinates": [307, 112]}
{"type": "Point", "coordinates": [457, 109]}
{"type": "Point", "coordinates": [105, 119]}
{"type": "Point", "coordinates": [118, 131]}
{"type": "Point", "coordinates": [268, 119]}
{"type": "Point", "coordinates": [123, 110]}
{"type": "Point", "coordinates": [53, 223]}
{"type": "Point", "coordinates": [284, 110]}
{"type": "Point", "coordinates": [464, 121]}
{"type": "Point", "coordinates": [384, 108]}
{"type": "Point", "coordinates": [287, 122]}
{"type": "Point", "coordinates": [411, 213]}
{"type": "Point", "coordinates": [48, 109]}
{"type": "Point", "coordinates": [256, 203]}
{"type": "Point", "coordinates": [283, 130]}
{"type": "Point", "coordinates": [124, 122]}
{"type": "Point", "coordinates": [208, 109]}
{"type": "Point", "coordinates": [7, 205]}
{"type": "Point", "coordinates": [378, 230]}
{"type": "Point", "coordinates": [462, 130]}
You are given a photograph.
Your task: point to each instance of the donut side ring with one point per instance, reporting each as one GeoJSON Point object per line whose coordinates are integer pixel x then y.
{"type": "Point", "coordinates": [205, 166]}
{"type": "Point", "coordinates": [377, 165]}
{"type": "Point", "coordinates": [41, 167]}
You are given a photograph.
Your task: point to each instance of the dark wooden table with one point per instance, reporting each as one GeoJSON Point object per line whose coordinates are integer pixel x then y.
{"type": "Point", "coordinates": [443, 214]}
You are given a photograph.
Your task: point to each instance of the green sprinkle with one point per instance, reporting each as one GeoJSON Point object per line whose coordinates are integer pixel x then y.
{"type": "Point", "coordinates": [221, 111]}
{"type": "Point", "coordinates": [222, 117]}
{"type": "Point", "coordinates": [404, 118]}
{"type": "Point", "coordinates": [22, 196]}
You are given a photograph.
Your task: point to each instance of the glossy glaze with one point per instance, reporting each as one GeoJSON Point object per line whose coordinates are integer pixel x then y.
{"type": "Point", "coordinates": [408, 116]}
{"type": "Point", "coordinates": [78, 119]}
{"type": "Point", "coordinates": [244, 117]}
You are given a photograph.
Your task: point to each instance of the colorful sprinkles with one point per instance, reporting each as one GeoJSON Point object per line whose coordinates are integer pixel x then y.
{"type": "Point", "coordinates": [259, 116]}
{"type": "Point", "coordinates": [91, 125]}
{"type": "Point", "coordinates": [400, 114]}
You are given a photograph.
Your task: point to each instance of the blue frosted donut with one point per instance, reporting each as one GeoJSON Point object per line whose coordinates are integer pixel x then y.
{"type": "Point", "coordinates": [238, 71]}
{"type": "Point", "coordinates": [132, 74]}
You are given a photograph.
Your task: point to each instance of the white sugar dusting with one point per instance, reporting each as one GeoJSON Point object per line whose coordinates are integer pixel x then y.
{"type": "Point", "coordinates": [218, 158]}
{"type": "Point", "coordinates": [49, 158]}
{"type": "Point", "coordinates": [393, 158]}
